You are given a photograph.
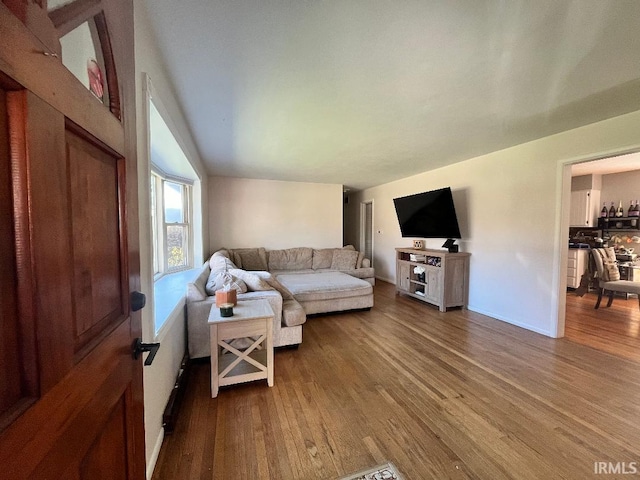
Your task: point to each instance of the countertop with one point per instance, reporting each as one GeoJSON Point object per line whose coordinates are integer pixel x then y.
{"type": "Point", "coordinates": [579, 245]}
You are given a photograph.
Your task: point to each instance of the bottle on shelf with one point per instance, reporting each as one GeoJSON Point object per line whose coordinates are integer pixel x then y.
{"type": "Point", "coordinates": [620, 211]}
{"type": "Point", "coordinates": [612, 211]}
{"type": "Point", "coordinates": [604, 212]}
{"type": "Point", "coordinates": [630, 212]}
{"type": "Point", "coordinates": [636, 210]}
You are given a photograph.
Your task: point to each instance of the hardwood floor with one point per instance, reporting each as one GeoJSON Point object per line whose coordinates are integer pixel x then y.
{"type": "Point", "coordinates": [441, 395]}
{"type": "Point", "coordinates": [615, 329]}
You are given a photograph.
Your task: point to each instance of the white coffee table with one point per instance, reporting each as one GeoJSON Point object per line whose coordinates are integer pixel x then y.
{"type": "Point", "coordinates": [251, 320]}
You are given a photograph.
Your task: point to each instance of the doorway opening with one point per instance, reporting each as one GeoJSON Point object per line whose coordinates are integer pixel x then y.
{"type": "Point", "coordinates": [366, 229]}
{"type": "Point", "coordinates": [609, 189]}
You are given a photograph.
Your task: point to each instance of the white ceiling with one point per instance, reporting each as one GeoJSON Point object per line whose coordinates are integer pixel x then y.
{"type": "Point", "coordinates": [363, 92]}
{"type": "Point", "coordinates": [606, 166]}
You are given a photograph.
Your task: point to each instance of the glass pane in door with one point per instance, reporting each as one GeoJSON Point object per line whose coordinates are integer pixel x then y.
{"type": "Point", "coordinates": [53, 4]}
{"type": "Point", "coordinates": [82, 55]}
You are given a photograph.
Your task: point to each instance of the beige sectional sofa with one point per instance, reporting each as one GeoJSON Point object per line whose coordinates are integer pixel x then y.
{"type": "Point", "coordinates": [295, 282]}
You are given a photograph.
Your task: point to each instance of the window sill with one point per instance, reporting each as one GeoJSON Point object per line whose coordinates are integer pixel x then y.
{"type": "Point", "coordinates": [168, 295]}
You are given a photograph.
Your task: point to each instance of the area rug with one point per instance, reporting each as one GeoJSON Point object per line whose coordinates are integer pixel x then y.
{"type": "Point", "coordinates": [381, 472]}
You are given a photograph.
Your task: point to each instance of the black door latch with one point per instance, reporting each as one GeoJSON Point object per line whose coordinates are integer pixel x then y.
{"type": "Point", "coordinates": [138, 301]}
{"type": "Point", "coordinates": [139, 348]}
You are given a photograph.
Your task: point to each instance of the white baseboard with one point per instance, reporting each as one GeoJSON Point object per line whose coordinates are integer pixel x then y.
{"type": "Point", "coordinates": [541, 331]}
{"type": "Point", "coordinates": [151, 465]}
{"type": "Point", "coordinates": [391, 281]}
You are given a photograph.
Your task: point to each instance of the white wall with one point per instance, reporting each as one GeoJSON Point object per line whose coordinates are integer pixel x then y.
{"type": "Point", "coordinates": [160, 377]}
{"type": "Point", "coordinates": [273, 214]}
{"type": "Point", "coordinates": [513, 218]}
{"type": "Point", "coordinates": [623, 187]}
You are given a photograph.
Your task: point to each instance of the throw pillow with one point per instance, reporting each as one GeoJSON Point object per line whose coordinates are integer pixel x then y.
{"type": "Point", "coordinates": [322, 258]}
{"type": "Point", "coordinates": [217, 280]}
{"type": "Point", "coordinates": [251, 260]}
{"type": "Point", "coordinates": [235, 257]}
{"type": "Point", "coordinates": [220, 262]}
{"type": "Point", "coordinates": [254, 282]}
{"type": "Point", "coordinates": [344, 260]}
{"type": "Point", "coordinates": [611, 271]}
{"type": "Point", "coordinates": [299, 258]}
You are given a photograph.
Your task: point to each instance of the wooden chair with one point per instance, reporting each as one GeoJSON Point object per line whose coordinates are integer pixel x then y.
{"type": "Point", "coordinates": [611, 286]}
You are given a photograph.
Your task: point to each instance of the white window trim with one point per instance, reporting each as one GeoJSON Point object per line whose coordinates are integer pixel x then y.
{"type": "Point", "coordinates": [160, 236]}
{"type": "Point", "coordinates": [150, 95]}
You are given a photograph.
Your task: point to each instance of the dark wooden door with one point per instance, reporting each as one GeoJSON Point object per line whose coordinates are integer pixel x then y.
{"type": "Point", "coordinates": [70, 390]}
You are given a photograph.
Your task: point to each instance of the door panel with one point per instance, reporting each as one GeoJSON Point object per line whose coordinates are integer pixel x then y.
{"type": "Point", "coordinates": [38, 155]}
{"type": "Point", "coordinates": [19, 364]}
{"type": "Point", "coordinates": [10, 381]}
{"type": "Point", "coordinates": [106, 454]}
{"type": "Point", "coordinates": [99, 291]}
{"type": "Point", "coordinates": [53, 437]}
{"type": "Point", "coordinates": [433, 284]}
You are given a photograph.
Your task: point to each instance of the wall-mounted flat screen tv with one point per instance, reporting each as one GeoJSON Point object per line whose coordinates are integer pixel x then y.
{"type": "Point", "coordinates": [428, 215]}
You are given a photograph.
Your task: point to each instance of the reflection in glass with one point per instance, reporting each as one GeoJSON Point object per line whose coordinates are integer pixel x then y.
{"type": "Point", "coordinates": [53, 4]}
{"type": "Point", "coordinates": [173, 203]}
{"type": "Point", "coordinates": [82, 55]}
{"type": "Point", "coordinates": [176, 246]}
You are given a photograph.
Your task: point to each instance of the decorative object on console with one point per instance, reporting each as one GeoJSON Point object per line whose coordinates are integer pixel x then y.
{"type": "Point", "coordinates": [224, 297]}
{"type": "Point", "coordinates": [419, 272]}
{"type": "Point", "coordinates": [226, 310]}
{"type": "Point", "coordinates": [450, 245]}
{"type": "Point", "coordinates": [418, 244]}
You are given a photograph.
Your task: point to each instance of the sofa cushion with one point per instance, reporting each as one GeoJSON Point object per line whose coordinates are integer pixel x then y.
{"type": "Point", "coordinates": [324, 286]}
{"type": "Point", "coordinates": [225, 252]}
{"type": "Point", "coordinates": [291, 259]}
{"type": "Point", "coordinates": [364, 272]}
{"type": "Point", "coordinates": [254, 282]}
{"type": "Point", "coordinates": [322, 258]}
{"type": "Point", "coordinates": [292, 313]}
{"type": "Point", "coordinates": [250, 258]}
{"type": "Point", "coordinates": [306, 270]}
{"type": "Point", "coordinates": [360, 259]}
{"type": "Point", "coordinates": [284, 291]}
{"type": "Point", "coordinates": [195, 291]}
{"type": "Point", "coordinates": [344, 259]}
{"type": "Point", "coordinates": [218, 262]}
{"type": "Point", "coordinates": [217, 280]}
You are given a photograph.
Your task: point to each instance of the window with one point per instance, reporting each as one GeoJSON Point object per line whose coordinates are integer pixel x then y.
{"type": "Point", "coordinates": [170, 223]}
{"type": "Point", "coordinates": [175, 215]}
{"type": "Point", "coordinates": [176, 224]}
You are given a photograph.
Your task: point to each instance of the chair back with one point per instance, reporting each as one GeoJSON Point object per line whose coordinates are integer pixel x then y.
{"type": "Point", "coordinates": [606, 264]}
{"type": "Point", "coordinates": [597, 260]}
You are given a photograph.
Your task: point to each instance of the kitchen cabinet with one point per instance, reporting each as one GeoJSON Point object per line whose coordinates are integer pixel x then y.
{"type": "Point", "coordinates": [585, 208]}
{"type": "Point", "coordinates": [577, 264]}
